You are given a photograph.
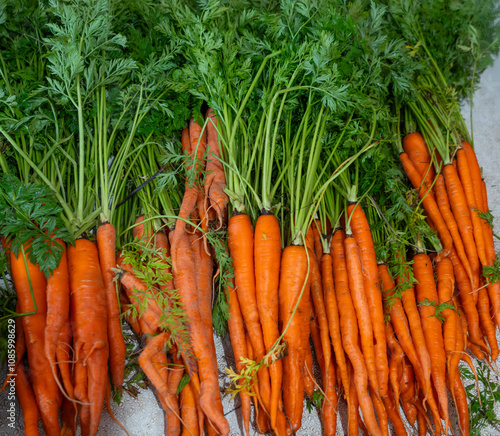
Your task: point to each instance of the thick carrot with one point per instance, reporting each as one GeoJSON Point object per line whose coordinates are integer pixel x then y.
{"type": "Point", "coordinates": [426, 292]}
{"type": "Point", "coordinates": [215, 181]}
{"type": "Point", "coordinates": [47, 395]}
{"type": "Point", "coordinates": [107, 257]}
{"type": "Point", "coordinates": [468, 303]}
{"type": "Point", "coordinates": [26, 397]}
{"type": "Point", "coordinates": [185, 282]}
{"type": "Point", "coordinates": [462, 215]}
{"type": "Point", "coordinates": [445, 209]}
{"type": "Point", "coordinates": [89, 320]}
{"type": "Point", "coordinates": [267, 260]}
{"type": "Point", "coordinates": [332, 312]}
{"type": "Point", "coordinates": [241, 248]}
{"type": "Point", "coordinates": [189, 413]}
{"type": "Point", "coordinates": [361, 231]}
{"type": "Point", "coordinates": [349, 331]}
{"type": "Point", "coordinates": [294, 295]}
{"type": "Point", "coordinates": [359, 299]}
{"type": "Point", "coordinates": [237, 334]}
{"type": "Point", "coordinates": [428, 201]}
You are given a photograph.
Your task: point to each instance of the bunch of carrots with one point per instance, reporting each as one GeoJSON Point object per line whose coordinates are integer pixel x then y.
{"type": "Point", "coordinates": [71, 333]}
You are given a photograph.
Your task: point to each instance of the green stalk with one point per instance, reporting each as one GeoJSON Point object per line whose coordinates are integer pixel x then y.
{"type": "Point", "coordinates": [81, 153]}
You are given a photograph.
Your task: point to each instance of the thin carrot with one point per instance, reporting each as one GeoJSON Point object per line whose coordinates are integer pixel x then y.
{"type": "Point", "coordinates": [237, 334]}
{"type": "Point", "coordinates": [332, 312]}
{"type": "Point", "coordinates": [483, 309]}
{"type": "Point", "coordinates": [361, 231]}
{"type": "Point", "coordinates": [460, 398]}
{"type": "Point", "coordinates": [64, 354]}
{"type": "Point", "coordinates": [359, 299]}
{"type": "Point", "coordinates": [462, 215]}
{"type": "Point", "coordinates": [349, 331]}
{"type": "Point", "coordinates": [429, 203]}
{"type": "Point", "coordinates": [393, 414]}
{"type": "Point", "coordinates": [26, 397]}
{"type": "Point", "coordinates": [416, 149]}
{"type": "Point", "coordinates": [395, 362]}
{"type": "Point", "coordinates": [445, 209]}
{"type": "Point", "coordinates": [426, 292]}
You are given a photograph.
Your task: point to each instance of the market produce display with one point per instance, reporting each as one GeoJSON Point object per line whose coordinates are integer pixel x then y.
{"type": "Point", "coordinates": [296, 175]}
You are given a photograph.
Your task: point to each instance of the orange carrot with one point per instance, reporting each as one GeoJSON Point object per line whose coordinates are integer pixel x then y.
{"type": "Point", "coordinates": [416, 149]}
{"type": "Point", "coordinates": [267, 260]}
{"type": "Point", "coordinates": [189, 413]}
{"type": "Point", "coordinates": [107, 257]}
{"type": "Point", "coordinates": [26, 397]}
{"type": "Point", "coordinates": [349, 331]}
{"type": "Point", "coordinates": [426, 292]}
{"type": "Point", "coordinates": [294, 291]}
{"type": "Point", "coordinates": [47, 395]}
{"type": "Point", "coordinates": [364, 240]}
{"type": "Point", "coordinates": [89, 320]}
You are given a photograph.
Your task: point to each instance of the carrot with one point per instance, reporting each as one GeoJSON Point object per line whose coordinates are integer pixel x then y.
{"type": "Point", "coordinates": [426, 292]}
{"type": "Point", "coordinates": [215, 181]}
{"type": "Point", "coordinates": [267, 260]}
{"type": "Point", "coordinates": [294, 292]}
{"type": "Point", "coordinates": [152, 349]}
{"type": "Point", "coordinates": [45, 388]}
{"type": "Point", "coordinates": [445, 209]}
{"type": "Point", "coordinates": [410, 306]}
{"type": "Point", "coordinates": [422, 424]}
{"type": "Point", "coordinates": [185, 282]}
{"type": "Point", "coordinates": [445, 287]}
{"type": "Point", "coordinates": [395, 362]}
{"type": "Point", "coordinates": [468, 187]}
{"type": "Point", "coordinates": [89, 320]}
{"type": "Point", "coordinates": [468, 303]}
{"type": "Point", "coordinates": [483, 309]}
{"type": "Point", "coordinates": [189, 413]}
{"type": "Point", "coordinates": [359, 299]}
{"type": "Point", "coordinates": [106, 246]}
{"type": "Point", "coordinates": [240, 242]}
{"type": "Point", "coordinates": [460, 398]}
{"type": "Point", "coordinates": [237, 334]}
{"type": "Point", "coordinates": [393, 414]}
{"type": "Point", "coordinates": [319, 307]}
{"type": "Point", "coordinates": [127, 313]}
{"type": "Point", "coordinates": [57, 308]}
{"type": "Point", "coordinates": [69, 412]}
{"type": "Point", "coordinates": [400, 324]}
{"type": "Point", "coordinates": [65, 358]}
{"type": "Point", "coordinates": [408, 393]}
{"type": "Point", "coordinates": [332, 312]}
{"type": "Point", "coordinates": [307, 371]}
{"type": "Point", "coordinates": [26, 397]}
{"type": "Point", "coordinates": [349, 331]}
{"type": "Point", "coordinates": [364, 240]}
{"type": "Point", "coordinates": [379, 407]}
{"type": "Point", "coordinates": [329, 409]}
{"type": "Point", "coordinates": [416, 149]}
{"type": "Point", "coordinates": [318, 246]}
{"type": "Point", "coordinates": [429, 203]}
{"type": "Point", "coordinates": [462, 215]}
{"type": "Point", "coordinates": [353, 418]}
{"type": "Point", "coordinates": [410, 411]}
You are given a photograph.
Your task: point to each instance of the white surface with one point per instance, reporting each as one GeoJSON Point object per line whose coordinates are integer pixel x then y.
{"type": "Point", "coordinates": [142, 416]}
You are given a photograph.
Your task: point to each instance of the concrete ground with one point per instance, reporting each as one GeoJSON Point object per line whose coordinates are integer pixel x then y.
{"type": "Point", "coordinates": [142, 416]}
